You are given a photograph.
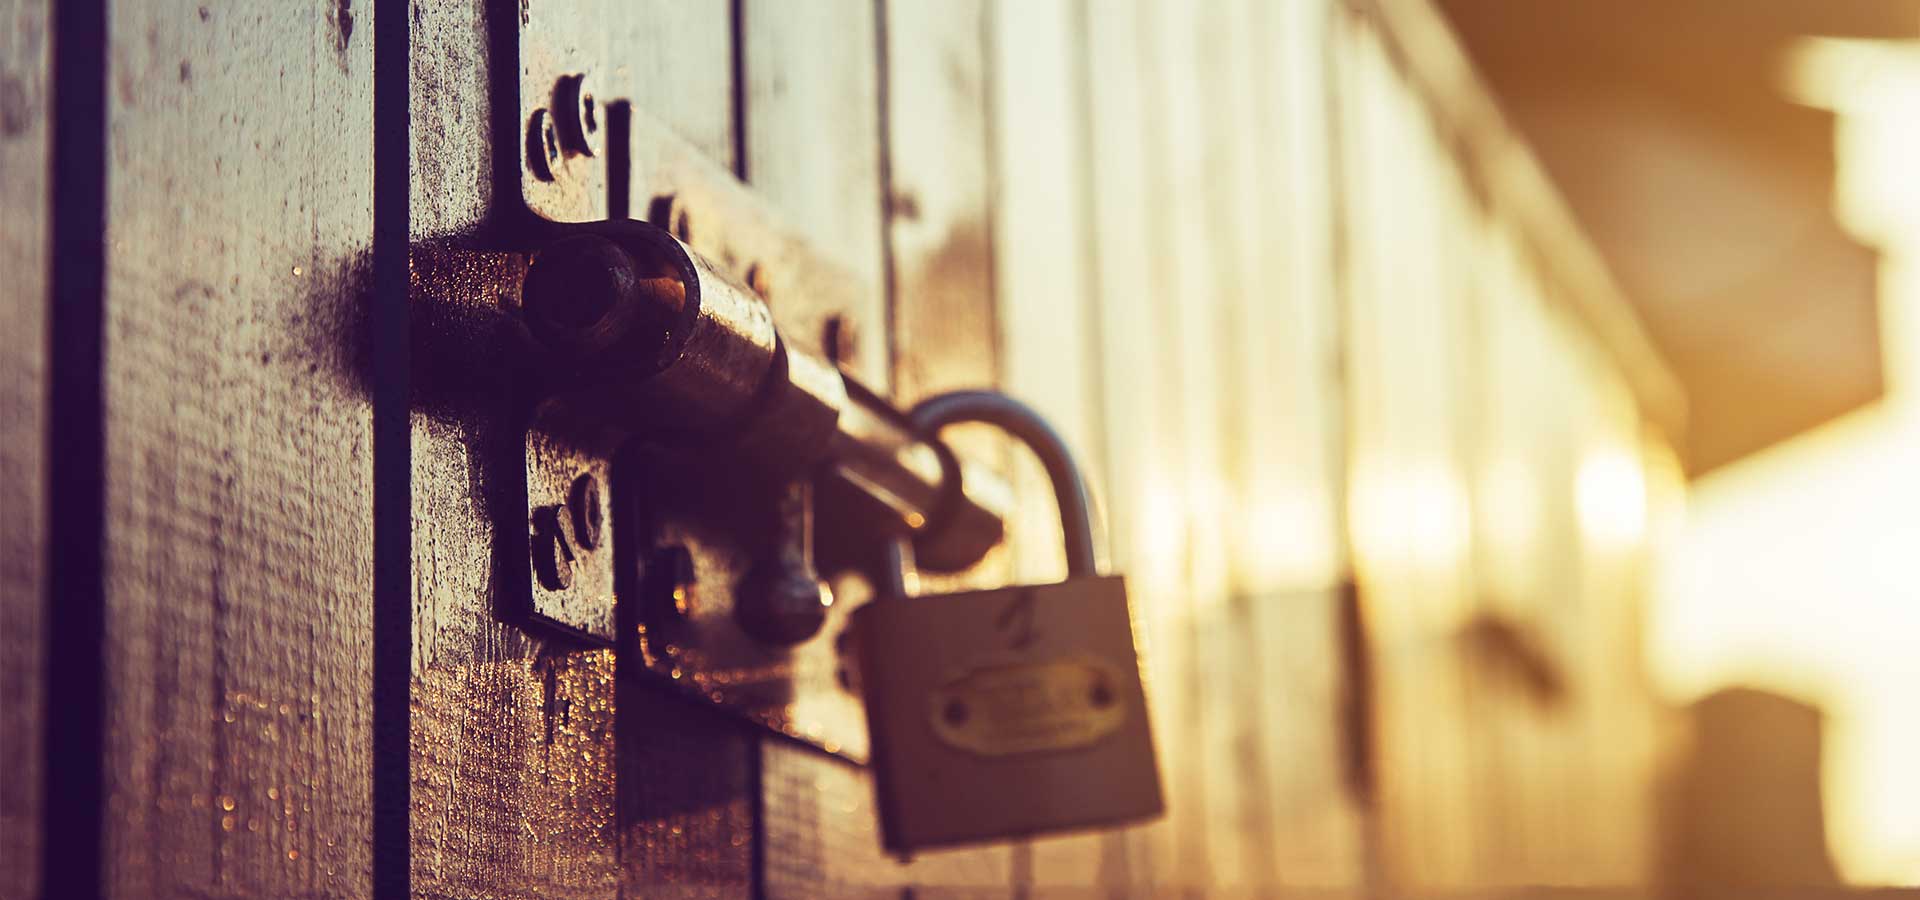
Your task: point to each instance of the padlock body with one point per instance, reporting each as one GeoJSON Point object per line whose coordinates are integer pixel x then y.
{"type": "Point", "coordinates": [1006, 713]}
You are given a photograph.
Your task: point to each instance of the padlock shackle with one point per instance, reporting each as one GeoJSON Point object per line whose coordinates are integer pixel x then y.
{"type": "Point", "coordinates": [1026, 424]}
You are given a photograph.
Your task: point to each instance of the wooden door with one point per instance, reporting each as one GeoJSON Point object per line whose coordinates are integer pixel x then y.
{"type": "Point", "coordinates": [254, 403]}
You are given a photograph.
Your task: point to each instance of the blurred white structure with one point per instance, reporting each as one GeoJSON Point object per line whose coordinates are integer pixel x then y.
{"type": "Point", "coordinates": [1798, 569]}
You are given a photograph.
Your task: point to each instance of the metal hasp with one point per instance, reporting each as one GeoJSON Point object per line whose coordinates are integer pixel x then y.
{"type": "Point", "coordinates": [723, 444]}
{"type": "Point", "coordinates": [719, 441]}
{"type": "Point", "coordinates": [652, 334]}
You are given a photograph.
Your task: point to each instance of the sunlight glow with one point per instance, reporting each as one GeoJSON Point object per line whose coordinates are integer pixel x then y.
{"type": "Point", "coordinates": [1798, 569]}
{"type": "Point", "coordinates": [1610, 493]}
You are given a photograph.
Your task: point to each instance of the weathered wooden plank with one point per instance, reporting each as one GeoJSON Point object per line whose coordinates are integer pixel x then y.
{"type": "Point", "coordinates": [940, 240]}
{"type": "Point", "coordinates": [1045, 308]}
{"type": "Point", "coordinates": [676, 63]}
{"type": "Point", "coordinates": [941, 255]}
{"type": "Point", "coordinates": [494, 759]}
{"type": "Point", "coordinates": [812, 141]}
{"type": "Point", "coordinates": [24, 178]}
{"type": "Point", "coordinates": [1243, 380]}
{"type": "Point", "coordinates": [451, 180]}
{"type": "Point", "coordinates": [1287, 556]}
{"type": "Point", "coordinates": [812, 145]}
{"type": "Point", "coordinates": [1144, 445]}
{"type": "Point", "coordinates": [1040, 253]}
{"type": "Point", "coordinates": [1173, 55]}
{"type": "Point", "coordinates": [238, 459]}
{"type": "Point", "coordinates": [1409, 512]}
{"type": "Point", "coordinates": [540, 770]}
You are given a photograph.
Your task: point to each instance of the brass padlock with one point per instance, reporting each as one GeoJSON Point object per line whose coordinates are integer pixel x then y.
{"type": "Point", "coordinates": [1008, 713]}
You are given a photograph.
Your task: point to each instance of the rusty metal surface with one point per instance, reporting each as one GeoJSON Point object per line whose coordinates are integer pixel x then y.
{"type": "Point", "coordinates": [562, 47]}
{"type": "Point", "coordinates": [580, 601]}
{"type": "Point", "coordinates": [689, 635]}
{"type": "Point", "coordinates": [645, 338]}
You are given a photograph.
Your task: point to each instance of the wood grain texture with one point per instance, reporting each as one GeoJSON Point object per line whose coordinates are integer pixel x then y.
{"type": "Point", "coordinates": [238, 461]}
{"type": "Point", "coordinates": [812, 141]}
{"type": "Point", "coordinates": [938, 229]}
{"type": "Point", "coordinates": [450, 109]}
{"type": "Point", "coordinates": [513, 744]}
{"type": "Point", "coordinates": [24, 112]}
{"type": "Point", "coordinates": [679, 69]}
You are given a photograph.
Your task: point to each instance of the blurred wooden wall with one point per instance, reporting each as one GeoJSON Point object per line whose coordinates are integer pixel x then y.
{"type": "Point", "coordinates": [1318, 267]}
{"type": "Point", "coordinates": [1303, 303]}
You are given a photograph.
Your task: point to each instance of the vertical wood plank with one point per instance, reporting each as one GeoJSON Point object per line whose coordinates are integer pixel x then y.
{"type": "Point", "coordinates": [812, 140]}
{"type": "Point", "coordinates": [1040, 252]}
{"type": "Point", "coordinates": [1187, 312]}
{"type": "Point", "coordinates": [1047, 325]}
{"type": "Point", "coordinates": [24, 178]}
{"type": "Point", "coordinates": [812, 144]}
{"type": "Point", "coordinates": [451, 181]}
{"type": "Point", "coordinates": [508, 798]}
{"type": "Point", "coordinates": [238, 557]}
{"type": "Point", "coordinates": [540, 770]}
{"type": "Point", "coordinates": [1140, 401]}
{"type": "Point", "coordinates": [1240, 336]}
{"type": "Point", "coordinates": [938, 223]}
{"type": "Point", "coordinates": [1274, 776]}
{"type": "Point", "coordinates": [940, 230]}
{"type": "Point", "coordinates": [1410, 514]}
{"type": "Point", "coordinates": [675, 58]}
{"type": "Point", "coordinates": [1287, 555]}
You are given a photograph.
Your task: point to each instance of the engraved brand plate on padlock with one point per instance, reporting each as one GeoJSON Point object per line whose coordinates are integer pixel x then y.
{"type": "Point", "coordinates": [1028, 707]}
{"type": "Point", "coordinates": [1006, 713]}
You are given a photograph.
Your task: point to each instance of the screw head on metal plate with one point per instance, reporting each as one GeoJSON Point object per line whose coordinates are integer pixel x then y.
{"type": "Point", "coordinates": [552, 549]}
{"type": "Point", "coordinates": [577, 116]}
{"type": "Point", "coordinates": [588, 511]}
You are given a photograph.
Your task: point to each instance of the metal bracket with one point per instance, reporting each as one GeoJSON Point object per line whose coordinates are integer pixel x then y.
{"type": "Point", "coordinates": [557, 115]}
{"type": "Point", "coordinates": [570, 532]}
